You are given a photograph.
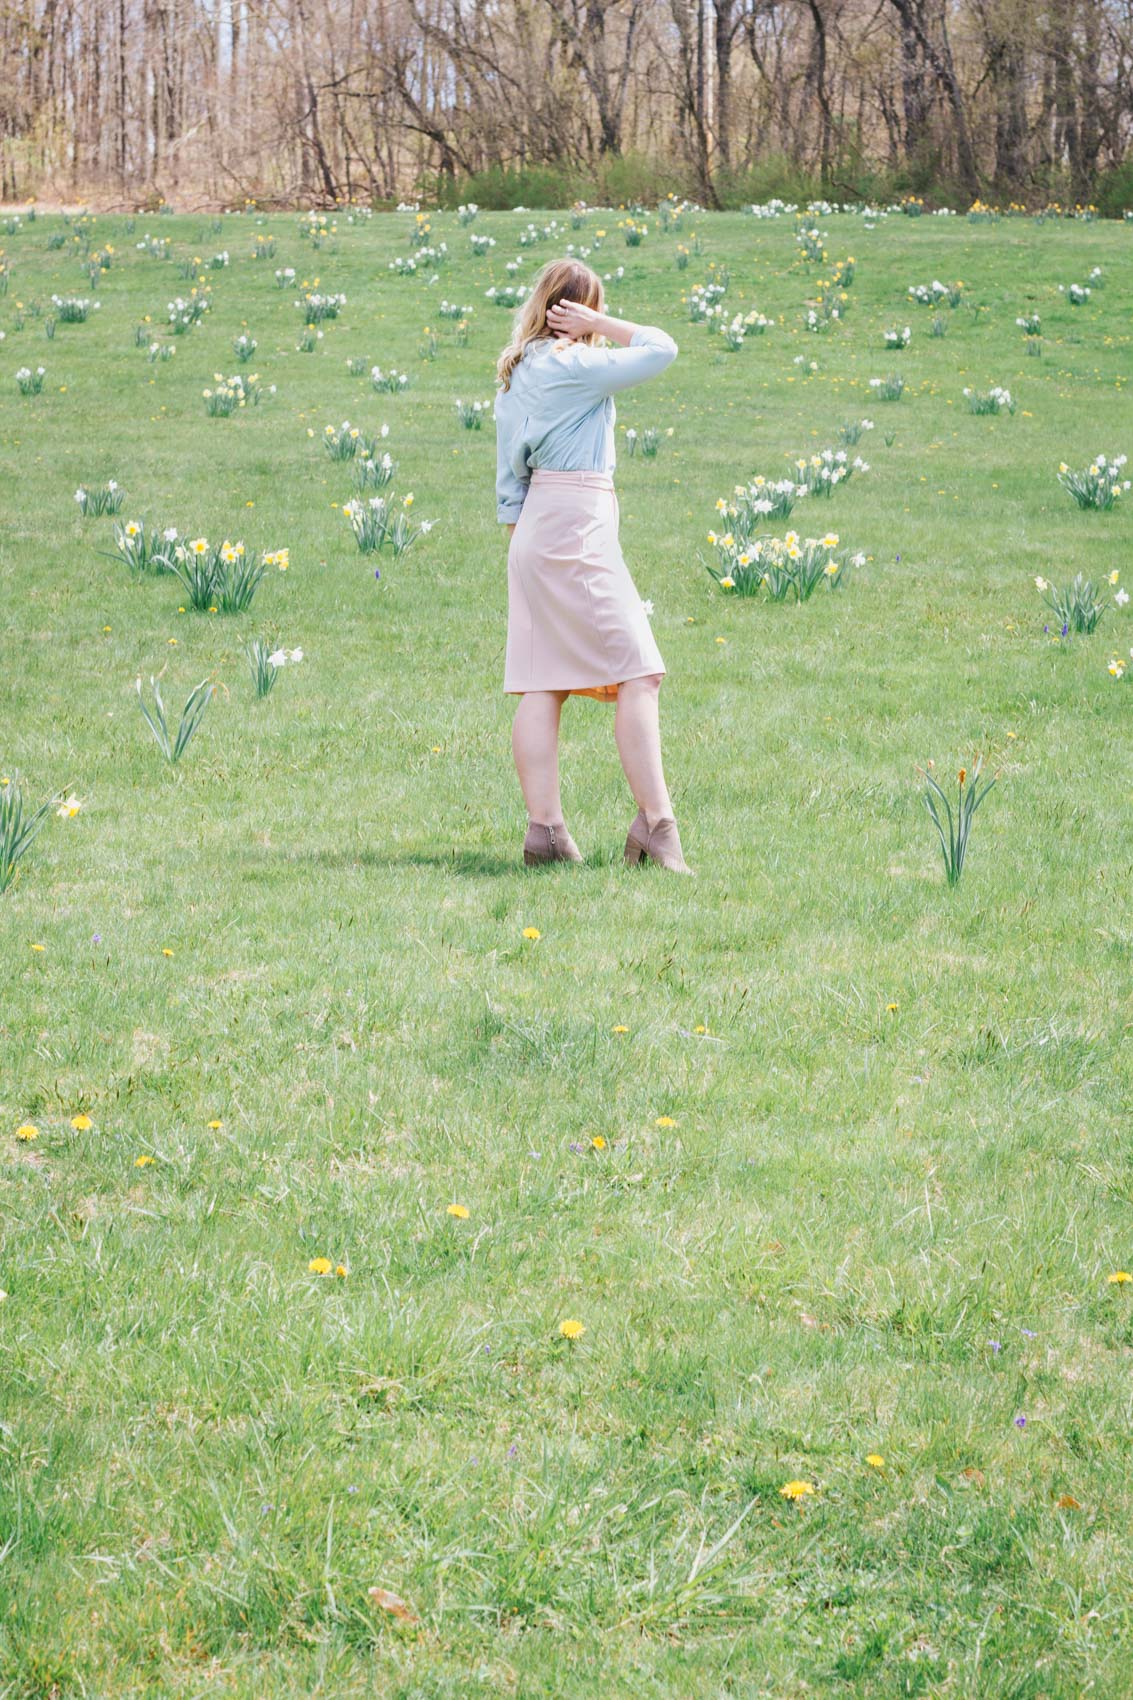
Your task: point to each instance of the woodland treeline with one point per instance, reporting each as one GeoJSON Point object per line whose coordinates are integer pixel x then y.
{"type": "Point", "coordinates": [537, 101]}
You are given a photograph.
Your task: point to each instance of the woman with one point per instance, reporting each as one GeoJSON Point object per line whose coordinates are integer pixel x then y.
{"type": "Point", "coordinates": [576, 625]}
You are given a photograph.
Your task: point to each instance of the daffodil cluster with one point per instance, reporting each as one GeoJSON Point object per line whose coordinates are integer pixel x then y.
{"type": "Point", "coordinates": [186, 312]}
{"type": "Point", "coordinates": [935, 294]}
{"type": "Point", "coordinates": [73, 309]}
{"type": "Point", "coordinates": [1079, 606]}
{"type": "Point", "coordinates": [380, 523]}
{"type": "Point", "coordinates": [472, 414]}
{"type": "Point", "coordinates": [1098, 485]}
{"type": "Point", "coordinates": [221, 578]}
{"type": "Point", "coordinates": [231, 394]}
{"type": "Point", "coordinates": [735, 333]}
{"type": "Point", "coordinates": [820, 474]}
{"type": "Point", "coordinates": [780, 567]}
{"type": "Point", "coordinates": [506, 295]}
{"type": "Point", "coordinates": [107, 499]}
{"type": "Point", "coordinates": [390, 382]}
{"type": "Point", "coordinates": [319, 306]}
{"type": "Point", "coordinates": [346, 441]}
{"type": "Point", "coordinates": [994, 400]}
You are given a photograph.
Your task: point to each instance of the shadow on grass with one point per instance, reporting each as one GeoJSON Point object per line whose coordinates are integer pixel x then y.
{"type": "Point", "coordinates": [470, 864]}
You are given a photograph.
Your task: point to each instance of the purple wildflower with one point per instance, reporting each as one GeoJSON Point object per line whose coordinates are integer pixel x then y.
{"type": "Point", "coordinates": [1020, 1422]}
{"type": "Point", "coordinates": [995, 1345]}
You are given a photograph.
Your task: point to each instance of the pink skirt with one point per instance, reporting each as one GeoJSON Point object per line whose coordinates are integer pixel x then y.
{"type": "Point", "coordinates": [575, 622]}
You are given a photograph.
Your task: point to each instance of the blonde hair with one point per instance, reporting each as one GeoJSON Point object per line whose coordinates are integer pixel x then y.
{"type": "Point", "coordinates": [560, 280]}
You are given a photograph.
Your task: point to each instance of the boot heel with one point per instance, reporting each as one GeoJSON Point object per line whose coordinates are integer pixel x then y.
{"type": "Point", "coordinates": [633, 856]}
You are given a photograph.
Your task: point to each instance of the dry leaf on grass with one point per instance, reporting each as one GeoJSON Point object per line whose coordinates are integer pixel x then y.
{"type": "Point", "coordinates": [393, 1604]}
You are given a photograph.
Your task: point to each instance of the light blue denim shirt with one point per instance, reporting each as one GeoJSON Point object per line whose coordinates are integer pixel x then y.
{"type": "Point", "coordinates": [558, 414]}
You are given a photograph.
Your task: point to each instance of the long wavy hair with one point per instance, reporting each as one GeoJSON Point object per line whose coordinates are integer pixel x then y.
{"type": "Point", "coordinates": [560, 280]}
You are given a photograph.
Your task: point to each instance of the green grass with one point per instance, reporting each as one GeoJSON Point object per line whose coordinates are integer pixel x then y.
{"type": "Point", "coordinates": [208, 1455]}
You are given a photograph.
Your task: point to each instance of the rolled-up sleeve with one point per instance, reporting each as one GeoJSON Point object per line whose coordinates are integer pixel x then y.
{"type": "Point", "coordinates": [604, 371]}
{"type": "Point", "coordinates": [512, 474]}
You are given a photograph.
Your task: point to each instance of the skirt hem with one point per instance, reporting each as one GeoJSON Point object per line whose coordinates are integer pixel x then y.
{"type": "Point", "coordinates": [601, 693]}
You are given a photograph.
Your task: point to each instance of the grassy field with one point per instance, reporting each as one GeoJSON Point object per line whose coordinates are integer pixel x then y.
{"type": "Point", "coordinates": [831, 1161]}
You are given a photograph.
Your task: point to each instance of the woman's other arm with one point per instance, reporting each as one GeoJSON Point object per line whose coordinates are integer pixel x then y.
{"type": "Point", "coordinates": [511, 487]}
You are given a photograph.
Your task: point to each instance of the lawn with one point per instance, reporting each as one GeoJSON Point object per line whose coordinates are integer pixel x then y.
{"type": "Point", "coordinates": [832, 1161]}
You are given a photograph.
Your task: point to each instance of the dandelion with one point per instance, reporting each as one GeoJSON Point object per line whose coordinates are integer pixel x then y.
{"type": "Point", "coordinates": [875, 1460]}
{"type": "Point", "coordinates": [215, 1126]}
{"type": "Point", "coordinates": [796, 1490]}
{"type": "Point", "coordinates": [891, 1008]}
{"type": "Point", "coordinates": [165, 950]}
{"type": "Point", "coordinates": [320, 1266]}
{"type": "Point", "coordinates": [532, 933]}
{"type": "Point", "coordinates": [27, 1132]}
{"type": "Point", "coordinates": [81, 1123]}
{"type": "Point", "coordinates": [621, 1029]}
{"type": "Point", "coordinates": [598, 1142]}
{"type": "Point", "coordinates": [664, 1121]}
{"type": "Point", "coordinates": [1119, 1278]}
{"type": "Point", "coordinates": [572, 1329]}
{"type": "Point", "coordinates": [460, 1211]}
{"type": "Point", "coordinates": [340, 1272]}
{"type": "Point", "coordinates": [142, 1162]}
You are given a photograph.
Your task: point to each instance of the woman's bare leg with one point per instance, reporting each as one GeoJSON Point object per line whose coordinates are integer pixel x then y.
{"type": "Point", "coordinates": [535, 747]}
{"type": "Point", "coordinates": [637, 731]}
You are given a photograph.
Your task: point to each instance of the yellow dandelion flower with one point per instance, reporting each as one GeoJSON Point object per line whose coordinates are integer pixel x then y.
{"type": "Point", "coordinates": [598, 1142]}
{"type": "Point", "coordinates": [532, 933]}
{"type": "Point", "coordinates": [141, 1162]}
{"type": "Point", "coordinates": [664, 1121]}
{"type": "Point", "coordinates": [81, 1123]}
{"type": "Point", "coordinates": [891, 1008]}
{"type": "Point", "coordinates": [795, 1490]}
{"type": "Point", "coordinates": [320, 1266]}
{"type": "Point", "coordinates": [460, 1211]}
{"type": "Point", "coordinates": [875, 1460]}
{"type": "Point", "coordinates": [165, 951]}
{"type": "Point", "coordinates": [27, 1131]}
{"type": "Point", "coordinates": [216, 1126]}
{"type": "Point", "coordinates": [39, 947]}
{"type": "Point", "coordinates": [1119, 1278]}
{"type": "Point", "coordinates": [340, 1271]}
{"type": "Point", "coordinates": [572, 1329]}
{"type": "Point", "coordinates": [621, 1029]}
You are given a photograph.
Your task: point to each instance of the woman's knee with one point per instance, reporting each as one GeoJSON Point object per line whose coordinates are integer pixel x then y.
{"type": "Point", "coordinates": [649, 683]}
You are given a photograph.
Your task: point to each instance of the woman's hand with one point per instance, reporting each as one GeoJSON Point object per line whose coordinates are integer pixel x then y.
{"type": "Point", "coordinates": [571, 318]}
